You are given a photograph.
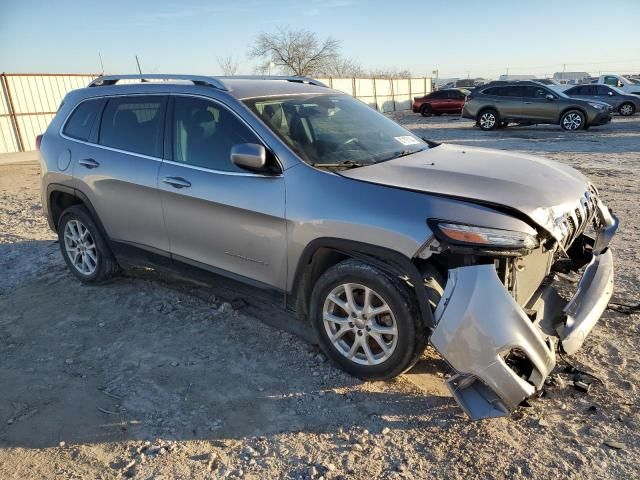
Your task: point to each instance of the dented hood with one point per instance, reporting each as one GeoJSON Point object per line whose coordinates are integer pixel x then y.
{"type": "Point", "coordinates": [540, 188]}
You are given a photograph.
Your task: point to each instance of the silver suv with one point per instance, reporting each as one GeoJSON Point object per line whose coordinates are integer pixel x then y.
{"type": "Point", "coordinates": [383, 241]}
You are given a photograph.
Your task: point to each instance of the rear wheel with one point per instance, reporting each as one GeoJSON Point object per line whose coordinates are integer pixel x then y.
{"type": "Point", "coordinates": [425, 110]}
{"type": "Point", "coordinates": [366, 321]}
{"type": "Point", "coordinates": [84, 249]}
{"type": "Point", "coordinates": [488, 119]}
{"type": "Point", "coordinates": [572, 120]}
{"type": "Point", "coordinates": [627, 109]}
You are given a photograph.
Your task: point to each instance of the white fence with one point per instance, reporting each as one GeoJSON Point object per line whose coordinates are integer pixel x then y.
{"type": "Point", "coordinates": [385, 95]}
{"type": "Point", "coordinates": [28, 102]}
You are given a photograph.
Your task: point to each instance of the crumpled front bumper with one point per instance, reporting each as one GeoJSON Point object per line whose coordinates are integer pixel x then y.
{"type": "Point", "coordinates": [478, 324]}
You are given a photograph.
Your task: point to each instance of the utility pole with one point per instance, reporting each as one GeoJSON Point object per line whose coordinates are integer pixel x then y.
{"type": "Point", "coordinates": [138, 63]}
{"type": "Point", "coordinates": [101, 64]}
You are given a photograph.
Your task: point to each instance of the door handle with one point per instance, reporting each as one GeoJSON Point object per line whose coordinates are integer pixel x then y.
{"type": "Point", "coordinates": [89, 163]}
{"type": "Point", "coordinates": [177, 182]}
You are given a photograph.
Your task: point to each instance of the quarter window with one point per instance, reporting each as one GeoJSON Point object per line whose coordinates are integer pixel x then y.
{"type": "Point", "coordinates": [204, 133]}
{"type": "Point", "coordinates": [134, 124]}
{"type": "Point", "coordinates": [82, 119]}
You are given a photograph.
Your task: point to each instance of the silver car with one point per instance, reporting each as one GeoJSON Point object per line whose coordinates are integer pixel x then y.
{"type": "Point", "coordinates": [381, 240]}
{"type": "Point", "coordinates": [624, 103]}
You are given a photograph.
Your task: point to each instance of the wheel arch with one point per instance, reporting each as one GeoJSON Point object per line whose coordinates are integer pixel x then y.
{"type": "Point", "coordinates": [61, 197]}
{"type": "Point", "coordinates": [323, 253]}
{"type": "Point", "coordinates": [573, 107]}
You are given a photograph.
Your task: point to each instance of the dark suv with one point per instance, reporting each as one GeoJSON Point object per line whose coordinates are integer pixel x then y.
{"type": "Point", "coordinates": [531, 103]}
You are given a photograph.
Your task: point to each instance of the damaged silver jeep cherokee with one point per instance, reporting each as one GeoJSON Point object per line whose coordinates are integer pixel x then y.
{"type": "Point", "coordinates": [382, 240]}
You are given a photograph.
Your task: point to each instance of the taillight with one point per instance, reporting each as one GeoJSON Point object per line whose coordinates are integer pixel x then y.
{"type": "Point", "coordinates": [38, 141]}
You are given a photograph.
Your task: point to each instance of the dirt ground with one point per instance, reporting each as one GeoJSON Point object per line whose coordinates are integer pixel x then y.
{"type": "Point", "coordinates": [154, 377]}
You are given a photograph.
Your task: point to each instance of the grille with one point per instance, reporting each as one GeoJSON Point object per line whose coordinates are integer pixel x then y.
{"type": "Point", "coordinates": [573, 223]}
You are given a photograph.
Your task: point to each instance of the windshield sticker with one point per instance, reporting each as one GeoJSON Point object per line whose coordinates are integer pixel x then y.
{"type": "Point", "coordinates": [407, 140]}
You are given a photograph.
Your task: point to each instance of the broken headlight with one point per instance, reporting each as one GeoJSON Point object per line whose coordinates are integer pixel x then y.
{"type": "Point", "coordinates": [459, 233]}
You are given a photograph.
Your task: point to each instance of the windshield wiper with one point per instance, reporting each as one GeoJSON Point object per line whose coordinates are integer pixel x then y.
{"type": "Point", "coordinates": [345, 164]}
{"type": "Point", "coordinates": [402, 153]}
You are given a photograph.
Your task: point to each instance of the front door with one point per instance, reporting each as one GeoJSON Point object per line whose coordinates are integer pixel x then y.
{"type": "Point", "coordinates": [219, 216]}
{"type": "Point", "coordinates": [536, 105]}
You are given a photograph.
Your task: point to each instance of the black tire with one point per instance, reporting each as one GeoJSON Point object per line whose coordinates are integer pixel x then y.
{"type": "Point", "coordinates": [104, 264]}
{"type": "Point", "coordinates": [488, 119]}
{"type": "Point", "coordinates": [627, 109]}
{"type": "Point", "coordinates": [411, 336]}
{"type": "Point", "coordinates": [573, 120]}
{"type": "Point", "coordinates": [425, 110]}
{"type": "Point", "coordinates": [437, 114]}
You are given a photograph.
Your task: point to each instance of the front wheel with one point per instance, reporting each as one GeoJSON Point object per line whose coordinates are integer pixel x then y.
{"type": "Point", "coordinates": [627, 109]}
{"type": "Point", "coordinates": [367, 322]}
{"type": "Point", "coordinates": [572, 120]}
{"type": "Point", "coordinates": [488, 119]}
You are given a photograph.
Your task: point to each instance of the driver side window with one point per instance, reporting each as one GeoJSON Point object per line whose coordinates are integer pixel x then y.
{"type": "Point", "coordinates": [203, 133]}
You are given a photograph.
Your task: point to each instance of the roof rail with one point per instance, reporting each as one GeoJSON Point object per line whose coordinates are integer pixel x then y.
{"type": "Point", "coordinates": [196, 79]}
{"type": "Point", "coordinates": [286, 78]}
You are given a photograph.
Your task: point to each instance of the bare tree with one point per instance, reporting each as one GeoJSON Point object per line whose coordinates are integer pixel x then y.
{"type": "Point", "coordinates": [228, 65]}
{"type": "Point", "coordinates": [297, 52]}
{"type": "Point", "coordinates": [389, 73]}
{"type": "Point", "coordinates": [341, 67]}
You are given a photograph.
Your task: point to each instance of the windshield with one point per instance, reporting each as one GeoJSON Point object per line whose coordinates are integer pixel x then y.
{"type": "Point", "coordinates": [334, 130]}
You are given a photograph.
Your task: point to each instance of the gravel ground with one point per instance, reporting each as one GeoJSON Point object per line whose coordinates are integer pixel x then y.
{"type": "Point", "coordinates": [154, 377]}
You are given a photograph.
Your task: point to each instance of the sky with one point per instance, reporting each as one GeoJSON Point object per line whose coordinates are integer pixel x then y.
{"type": "Point", "coordinates": [458, 38]}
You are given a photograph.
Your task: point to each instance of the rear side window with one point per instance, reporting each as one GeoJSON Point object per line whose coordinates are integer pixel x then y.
{"type": "Point", "coordinates": [134, 124]}
{"type": "Point", "coordinates": [82, 119]}
{"type": "Point", "coordinates": [492, 91]}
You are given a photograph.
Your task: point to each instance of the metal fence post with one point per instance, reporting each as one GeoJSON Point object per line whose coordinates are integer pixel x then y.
{"type": "Point", "coordinates": [12, 112]}
{"type": "Point", "coordinates": [393, 95]}
{"type": "Point", "coordinates": [375, 94]}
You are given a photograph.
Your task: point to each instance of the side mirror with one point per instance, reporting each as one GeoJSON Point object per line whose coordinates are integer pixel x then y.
{"type": "Point", "coordinates": [249, 156]}
{"type": "Point", "coordinates": [549, 97]}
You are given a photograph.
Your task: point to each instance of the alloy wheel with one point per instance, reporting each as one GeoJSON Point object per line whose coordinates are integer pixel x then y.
{"type": "Point", "coordinates": [626, 109]}
{"type": "Point", "coordinates": [360, 324]}
{"type": "Point", "coordinates": [487, 120]}
{"type": "Point", "coordinates": [572, 121]}
{"type": "Point", "coordinates": [80, 247]}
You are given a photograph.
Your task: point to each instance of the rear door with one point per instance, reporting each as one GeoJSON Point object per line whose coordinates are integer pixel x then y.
{"type": "Point", "coordinates": [219, 216]}
{"type": "Point", "coordinates": [438, 101]}
{"type": "Point", "coordinates": [509, 101]}
{"type": "Point", "coordinates": [118, 169]}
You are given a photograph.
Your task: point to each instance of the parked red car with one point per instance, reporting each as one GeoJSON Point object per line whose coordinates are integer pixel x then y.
{"type": "Point", "coordinates": [449, 100]}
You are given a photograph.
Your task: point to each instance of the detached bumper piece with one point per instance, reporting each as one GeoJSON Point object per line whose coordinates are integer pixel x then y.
{"type": "Point", "coordinates": [478, 325]}
{"type": "Point", "coordinates": [500, 354]}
